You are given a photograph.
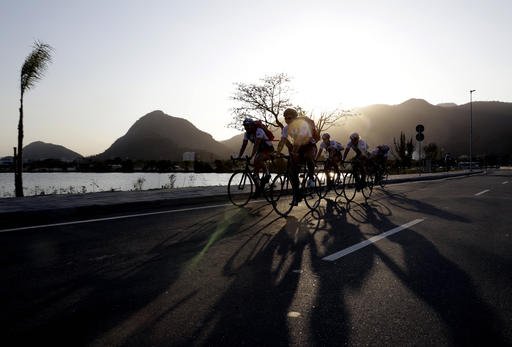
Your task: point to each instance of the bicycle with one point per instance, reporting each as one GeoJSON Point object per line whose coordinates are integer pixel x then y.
{"type": "Point", "coordinates": [244, 183]}
{"type": "Point", "coordinates": [353, 182]}
{"type": "Point", "coordinates": [330, 178]}
{"type": "Point", "coordinates": [379, 171]}
{"type": "Point", "coordinates": [282, 192]}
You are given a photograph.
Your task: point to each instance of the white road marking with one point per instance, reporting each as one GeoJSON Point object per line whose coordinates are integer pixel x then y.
{"type": "Point", "coordinates": [371, 240]}
{"type": "Point", "coordinates": [114, 218]}
{"type": "Point", "coordinates": [482, 192]}
{"type": "Point", "coordinates": [505, 182]}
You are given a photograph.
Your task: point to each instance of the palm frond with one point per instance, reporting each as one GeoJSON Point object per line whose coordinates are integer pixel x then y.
{"type": "Point", "coordinates": [35, 65]}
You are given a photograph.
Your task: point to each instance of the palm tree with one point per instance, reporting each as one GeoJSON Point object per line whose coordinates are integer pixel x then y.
{"type": "Point", "coordinates": [32, 71]}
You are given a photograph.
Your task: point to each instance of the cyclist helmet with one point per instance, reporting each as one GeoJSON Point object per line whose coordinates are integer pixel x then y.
{"type": "Point", "coordinates": [290, 113]}
{"type": "Point", "coordinates": [383, 148]}
{"type": "Point", "coordinates": [354, 136]}
{"type": "Point", "coordinates": [326, 136]}
{"type": "Point", "coordinates": [248, 121]}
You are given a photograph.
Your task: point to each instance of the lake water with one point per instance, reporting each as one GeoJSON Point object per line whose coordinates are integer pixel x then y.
{"type": "Point", "coordinates": [81, 182]}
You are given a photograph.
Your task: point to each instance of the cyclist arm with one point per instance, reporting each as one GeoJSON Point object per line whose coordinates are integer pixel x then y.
{"type": "Point", "coordinates": [281, 144]}
{"type": "Point", "coordinates": [257, 144]}
{"type": "Point", "coordinates": [319, 153]}
{"type": "Point", "coordinates": [345, 153]}
{"type": "Point", "coordinates": [242, 149]}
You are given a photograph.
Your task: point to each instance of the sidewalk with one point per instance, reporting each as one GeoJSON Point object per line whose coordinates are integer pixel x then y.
{"type": "Point", "coordinates": [148, 198]}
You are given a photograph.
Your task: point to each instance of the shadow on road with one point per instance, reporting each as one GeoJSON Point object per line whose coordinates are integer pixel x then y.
{"type": "Point", "coordinates": [265, 304]}
{"type": "Point", "coordinates": [267, 288]}
{"type": "Point", "coordinates": [276, 289]}
{"type": "Point", "coordinates": [440, 283]}
{"type": "Point", "coordinates": [113, 290]}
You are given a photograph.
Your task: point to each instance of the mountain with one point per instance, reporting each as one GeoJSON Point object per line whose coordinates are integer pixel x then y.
{"type": "Point", "coordinates": [447, 104]}
{"type": "Point", "coordinates": [234, 143]}
{"type": "Point", "coordinates": [40, 150]}
{"type": "Point", "coordinates": [158, 136]}
{"type": "Point", "coordinates": [446, 125]}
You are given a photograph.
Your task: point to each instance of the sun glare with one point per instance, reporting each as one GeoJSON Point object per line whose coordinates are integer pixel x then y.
{"type": "Point", "coordinates": [343, 68]}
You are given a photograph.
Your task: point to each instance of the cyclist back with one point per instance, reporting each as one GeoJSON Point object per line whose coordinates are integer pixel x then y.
{"type": "Point", "coordinates": [298, 137]}
{"type": "Point", "coordinates": [262, 146]}
{"type": "Point", "coordinates": [379, 157]}
{"type": "Point", "coordinates": [380, 154]}
{"type": "Point", "coordinates": [333, 149]}
{"type": "Point", "coordinates": [360, 147]}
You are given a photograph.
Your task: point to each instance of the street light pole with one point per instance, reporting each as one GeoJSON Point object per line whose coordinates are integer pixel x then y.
{"type": "Point", "coordinates": [471, 129]}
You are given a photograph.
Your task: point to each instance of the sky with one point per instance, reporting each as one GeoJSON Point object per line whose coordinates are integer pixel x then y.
{"type": "Point", "coordinates": [115, 61]}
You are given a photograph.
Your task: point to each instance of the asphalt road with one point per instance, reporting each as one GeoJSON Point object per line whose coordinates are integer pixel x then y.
{"type": "Point", "coordinates": [426, 263]}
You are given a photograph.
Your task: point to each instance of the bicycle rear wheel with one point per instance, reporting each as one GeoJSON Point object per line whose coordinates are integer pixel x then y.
{"type": "Point", "coordinates": [267, 180]}
{"type": "Point", "coordinates": [384, 179]}
{"type": "Point", "coordinates": [324, 182]}
{"type": "Point", "coordinates": [367, 189]}
{"type": "Point", "coordinates": [349, 186]}
{"type": "Point", "coordinates": [240, 188]}
{"type": "Point", "coordinates": [338, 184]}
{"type": "Point", "coordinates": [281, 194]}
{"type": "Point", "coordinates": [312, 194]}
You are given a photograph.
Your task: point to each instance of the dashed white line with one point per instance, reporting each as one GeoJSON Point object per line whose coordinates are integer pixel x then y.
{"type": "Point", "coordinates": [482, 192]}
{"type": "Point", "coordinates": [371, 240]}
{"type": "Point", "coordinates": [114, 218]}
{"type": "Point", "coordinates": [504, 182]}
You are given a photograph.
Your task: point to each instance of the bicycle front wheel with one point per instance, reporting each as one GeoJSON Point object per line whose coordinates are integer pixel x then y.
{"type": "Point", "coordinates": [240, 188]}
{"type": "Point", "coordinates": [325, 182]}
{"type": "Point", "coordinates": [349, 186]}
{"type": "Point", "coordinates": [313, 193]}
{"type": "Point", "coordinates": [281, 194]}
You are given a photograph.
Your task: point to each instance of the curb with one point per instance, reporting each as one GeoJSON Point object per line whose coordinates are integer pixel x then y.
{"type": "Point", "coordinates": [433, 178]}
{"type": "Point", "coordinates": [46, 215]}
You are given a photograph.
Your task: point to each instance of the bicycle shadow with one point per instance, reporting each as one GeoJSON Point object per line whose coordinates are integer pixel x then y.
{"type": "Point", "coordinates": [254, 309]}
{"type": "Point", "coordinates": [100, 298]}
{"type": "Point", "coordinates": [443, 286]}
{"type": "Point", "coordinates": [429, 275]}
{"type": "Point", "coordinates": [331, 322]}
{"type": "Point", "coordinates": [259, 306]}
{"type": "Point", "coordinates": [400, 200]}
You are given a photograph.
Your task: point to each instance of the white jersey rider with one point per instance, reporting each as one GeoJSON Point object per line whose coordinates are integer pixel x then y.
{"type": "Point", "coordinates": [358, 145]}
{"type": "Point", "coordinates": [333, 149]}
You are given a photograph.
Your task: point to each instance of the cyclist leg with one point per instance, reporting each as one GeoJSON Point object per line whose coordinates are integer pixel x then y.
{"type": "Point", "coordinates": [364, 169]}
{"type": "Point", "coordinates": [336, 160]}
{"type": "Point", "coordinates": [263, 157]}
{"type": "Point", "coordinates": [328, 166]}
{"type": "Point", "coordinates": [293, 173]}
{"type": "Point", "coordinates": [358, 171]}
{"type": "Point", "coordinates": [308, 153]}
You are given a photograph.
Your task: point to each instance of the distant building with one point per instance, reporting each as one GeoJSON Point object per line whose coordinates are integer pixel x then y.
{"type": "Point", "coordinates": [189, 156]}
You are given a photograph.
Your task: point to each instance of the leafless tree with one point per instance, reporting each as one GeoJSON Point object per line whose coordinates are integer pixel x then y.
{"type": "Point", "coordinates": [328, 119]}
{"type": "Point", "coordinates": [31, 72]}
{"type": "Point", "coordinates": [264, 100]}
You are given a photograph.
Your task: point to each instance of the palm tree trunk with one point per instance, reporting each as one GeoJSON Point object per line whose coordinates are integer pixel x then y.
{"type": "Point", "coordinates": [18, 178]}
